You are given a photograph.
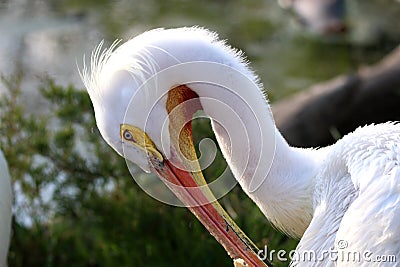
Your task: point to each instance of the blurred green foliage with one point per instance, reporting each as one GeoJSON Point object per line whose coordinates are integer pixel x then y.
{"type": "Point", "coordinates": [76, 204]}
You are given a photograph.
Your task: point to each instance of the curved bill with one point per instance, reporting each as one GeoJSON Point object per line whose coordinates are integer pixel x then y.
{"type": "Point", "coordinates": [190, 186]}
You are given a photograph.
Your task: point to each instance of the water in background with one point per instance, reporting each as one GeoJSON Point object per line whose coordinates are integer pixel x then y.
{"type": "Point", "coordinates": [50, 37]}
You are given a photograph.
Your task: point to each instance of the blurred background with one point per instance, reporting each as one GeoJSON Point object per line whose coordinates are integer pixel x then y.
{"type": "Point", "coordinates": [75, 202]}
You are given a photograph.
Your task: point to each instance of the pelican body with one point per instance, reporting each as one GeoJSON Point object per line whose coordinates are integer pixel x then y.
{"type": "Point", "coordinates": [5, 210]}
{"type": "Point", "coordinates": [347, 192]}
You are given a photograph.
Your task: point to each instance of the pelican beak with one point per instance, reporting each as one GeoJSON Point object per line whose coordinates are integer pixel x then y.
{"type": "Point", "coordinates": [190, 186]}
{"type": "Point", "coordinates": [211, 215]}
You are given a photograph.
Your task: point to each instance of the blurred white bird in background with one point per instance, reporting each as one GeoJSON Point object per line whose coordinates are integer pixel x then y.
{"type": "Point", "coordinates": [345, 197]}
{"type": "Point", "coordinates": [5, 210]}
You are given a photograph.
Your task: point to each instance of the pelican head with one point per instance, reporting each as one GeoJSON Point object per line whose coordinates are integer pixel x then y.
{"type": "Point", "coordinates": [145, 92]}
{"type": "Point", "coordinates": [122, 91]}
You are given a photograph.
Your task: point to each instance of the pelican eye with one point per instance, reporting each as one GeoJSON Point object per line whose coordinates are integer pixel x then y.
{"type": "Point", "coordinates": [128, 135]}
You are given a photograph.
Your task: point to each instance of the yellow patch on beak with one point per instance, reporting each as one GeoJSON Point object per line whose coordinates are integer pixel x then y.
{"type": "Point", "coordinates": [138, 138]}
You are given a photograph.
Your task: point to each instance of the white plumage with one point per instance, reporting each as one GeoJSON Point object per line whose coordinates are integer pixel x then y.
{"type": "Point", "coordinates": [347, 192]}
{"type": "Point", "coordinates": [356, 198]}
{"type": "Point", "coordinates": [5, 210]}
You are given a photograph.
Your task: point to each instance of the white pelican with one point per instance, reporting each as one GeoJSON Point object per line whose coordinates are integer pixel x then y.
{"type": "Point", "coordinates": [344, 197]}
{"type": "Point", "coordinates": [5, 210]}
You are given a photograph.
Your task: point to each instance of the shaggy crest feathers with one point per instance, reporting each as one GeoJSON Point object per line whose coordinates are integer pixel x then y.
{"type": "Point", "coordinates": [134, 57]}
{"type": "Point", "coordinates": [98, 60]}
